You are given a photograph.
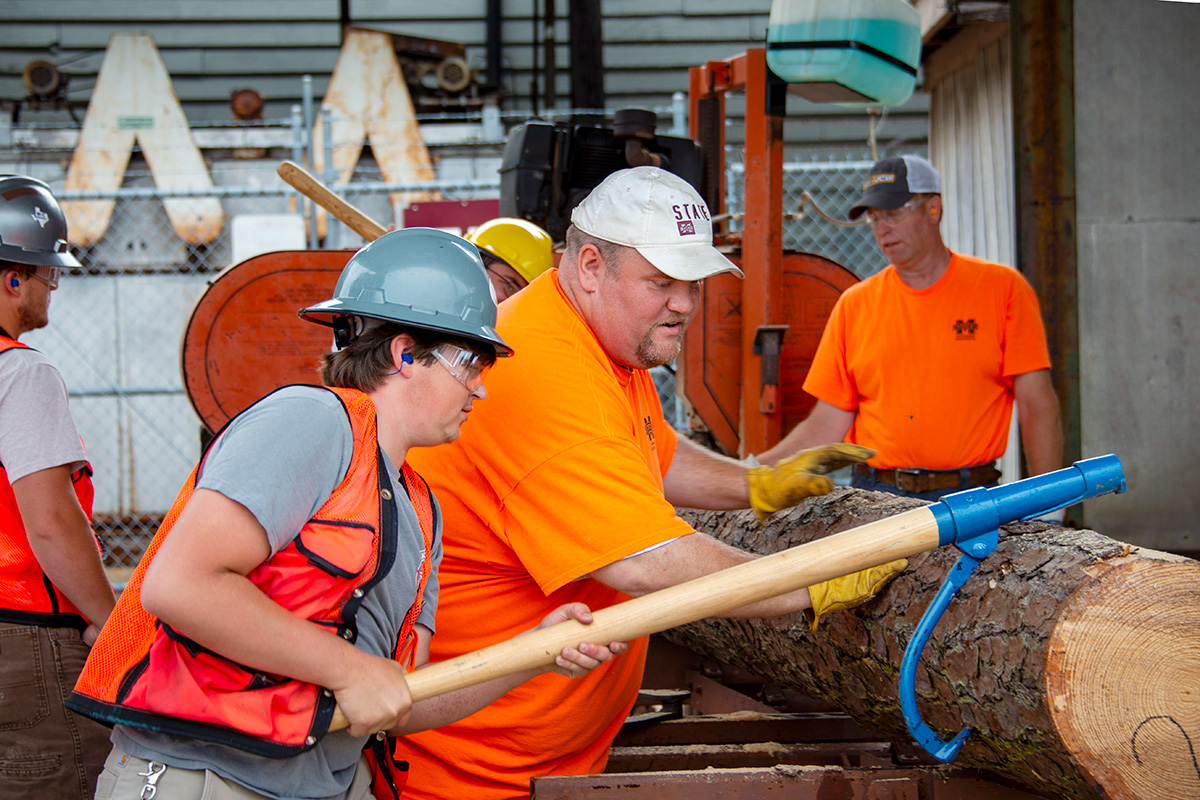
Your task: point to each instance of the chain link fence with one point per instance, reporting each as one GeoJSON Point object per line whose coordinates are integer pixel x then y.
{"type": "Point", "coordinates": [115, 331]}
{"type": "Point", "coordinates": [832, 181]}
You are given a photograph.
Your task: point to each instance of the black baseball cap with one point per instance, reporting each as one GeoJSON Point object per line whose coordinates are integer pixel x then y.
{"type": "Point", "coordinates": [893, 181]}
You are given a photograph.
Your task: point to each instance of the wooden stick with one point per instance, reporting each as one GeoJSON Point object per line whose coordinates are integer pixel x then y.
{"type": "Point", "coordinates": [770, 576]}
{"type": "Point", "coordinates": [301, 180]}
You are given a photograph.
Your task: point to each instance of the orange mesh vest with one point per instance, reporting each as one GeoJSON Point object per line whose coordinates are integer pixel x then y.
{"type": "Point", "coordinates": [28, 596]}
{"type": "Point", "coordinates": [142, 673]}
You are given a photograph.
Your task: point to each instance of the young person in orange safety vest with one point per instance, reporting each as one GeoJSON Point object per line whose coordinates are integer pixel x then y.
{"type": "Point", "coordinates": [297, 570]}
{"type": "Point", "coordinates": [54, 595]}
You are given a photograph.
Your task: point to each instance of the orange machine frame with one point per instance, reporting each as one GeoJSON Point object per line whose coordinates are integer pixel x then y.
{"type": "Point", "coordinates": [748, 352]}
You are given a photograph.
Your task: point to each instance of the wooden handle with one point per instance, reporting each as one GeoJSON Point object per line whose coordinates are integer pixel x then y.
{"type": "Point", "coordinates": [301, 180]}
{"type": "Point", "coordinates": [843, 553]}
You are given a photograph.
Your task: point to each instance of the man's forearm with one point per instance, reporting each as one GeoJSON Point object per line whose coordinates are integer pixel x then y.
{"type": "Point", "coordinates": [62, 541]}
{"type": "Point", "coordinates": [826, 424]}
{"type": "Point", "coordinates": [214, 545]}
{"type": "Point", "coordinates": [700, 478]}
{"type": "Point", "coordinates": [1043, 443]}
{"type": "Point", "coordinates": [72, 564]}
{"type": "Point", "coordinates": [684, 559]}
{"type": "Point", "coordinates": [1041, 424]}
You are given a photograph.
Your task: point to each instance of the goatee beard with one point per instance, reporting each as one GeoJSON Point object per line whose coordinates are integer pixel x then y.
{"type": "Point", "coordinates": [652, 354]}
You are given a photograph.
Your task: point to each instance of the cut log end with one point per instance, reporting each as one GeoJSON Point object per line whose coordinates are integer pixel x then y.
{"type": "Point", "coordinates": [1123, 679]}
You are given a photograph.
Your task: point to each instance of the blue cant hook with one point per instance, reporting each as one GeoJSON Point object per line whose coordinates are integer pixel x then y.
{"type": "Point", "coordinates": [971, 521]}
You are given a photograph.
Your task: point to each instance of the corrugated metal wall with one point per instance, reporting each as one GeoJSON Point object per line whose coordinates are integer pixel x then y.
{"type": "Point", "coordinates": [215, 47]}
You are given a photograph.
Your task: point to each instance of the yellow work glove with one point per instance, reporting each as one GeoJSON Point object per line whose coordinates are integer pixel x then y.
{"type": "Point", "coordinates": [799, 476]}
{"type": "Point", "coordinates": [849, 591]}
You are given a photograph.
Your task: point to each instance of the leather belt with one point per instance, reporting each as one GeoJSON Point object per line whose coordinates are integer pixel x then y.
{"type": "Point", "coordinates": [930, 480]}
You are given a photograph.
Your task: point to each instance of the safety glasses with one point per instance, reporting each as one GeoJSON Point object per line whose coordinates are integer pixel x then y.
{"type": "Point", "coordinates": [893, 215]}
{"type": "Point", "coordinates": [510, 286]}
{"type": "Point", "coordinates": [467, 366]}
{"type": "Point", "coordinates": [47, 275]}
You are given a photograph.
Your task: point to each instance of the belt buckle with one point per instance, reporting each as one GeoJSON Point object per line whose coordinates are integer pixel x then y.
{"type": "Point", "coordinates": [908, 479]}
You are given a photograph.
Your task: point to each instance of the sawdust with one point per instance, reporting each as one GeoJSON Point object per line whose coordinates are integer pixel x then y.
{"type": "Point", "coordinates": [792, 770]}
{"type": "Point", "coordinates": [740, 715]}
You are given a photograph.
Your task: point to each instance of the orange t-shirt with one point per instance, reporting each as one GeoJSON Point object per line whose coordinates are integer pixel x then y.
{"type": "Point", "coordinates": [930, 372]}
{"type": "Point", "coordinates": [557, 472]}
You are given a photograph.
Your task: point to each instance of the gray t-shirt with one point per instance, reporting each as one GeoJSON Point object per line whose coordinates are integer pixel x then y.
{"type": "Point", "coordinates": [36, 428]}
{"type": "Point", "coordinates": [282, 459]}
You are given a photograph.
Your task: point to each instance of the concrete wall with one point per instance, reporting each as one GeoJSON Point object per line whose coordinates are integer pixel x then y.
{"type": "Point", "coordinates": [1138, 181]}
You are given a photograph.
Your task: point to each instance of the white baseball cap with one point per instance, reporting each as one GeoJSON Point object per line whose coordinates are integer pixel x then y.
{"type": "Point", "coordinates": [658, 214]}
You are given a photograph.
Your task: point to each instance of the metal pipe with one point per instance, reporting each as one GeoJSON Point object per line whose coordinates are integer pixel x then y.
{"type": "Point", "coordinates": [297, 120]}
{"type": "Point", "coordinates": [679, 120]}
{"type": "Point", "coordinates": [536, 69]}
{"type": "Point", "coordinates": [306, 96]}
{"type": "Point", "coordinates": [333, 228]}
{"type": "Point", "coordinates": [153, 192]}
{"type": "Point", "coordinates": [548, 45]}
{"type": "Point", "coordinates": [127, 391]}
{"type": "Point", "coordinates": [495, 40]}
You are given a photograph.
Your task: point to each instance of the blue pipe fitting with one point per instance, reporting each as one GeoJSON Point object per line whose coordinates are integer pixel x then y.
{"type": "Point", "coordinates": [971, 521]}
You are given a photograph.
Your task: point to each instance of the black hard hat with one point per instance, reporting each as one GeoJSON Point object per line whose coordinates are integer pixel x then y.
{"type": "Point", "coordinates": [33, 230]}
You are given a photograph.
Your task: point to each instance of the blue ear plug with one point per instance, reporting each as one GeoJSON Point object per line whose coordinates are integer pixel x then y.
{"type": "Point", "coordinates": [405, 358]}
{"type": "Point", "coordinates": [15, 283]}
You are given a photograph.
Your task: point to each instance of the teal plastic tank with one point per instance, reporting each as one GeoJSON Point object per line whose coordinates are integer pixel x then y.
{"type": "Point", "coordinates": [849, 52]}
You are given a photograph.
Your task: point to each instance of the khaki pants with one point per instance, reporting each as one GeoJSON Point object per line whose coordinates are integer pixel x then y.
{"type": "Point", "coordinates": [46, 751]}
{"type": "Point", "coordinates": [121, 781]}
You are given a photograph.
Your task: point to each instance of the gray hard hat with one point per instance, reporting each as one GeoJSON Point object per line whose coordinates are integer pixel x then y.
{"type": "Point", "coordinates": [419, 277]}
{"type": "Point", "coordinates": [33, 230]}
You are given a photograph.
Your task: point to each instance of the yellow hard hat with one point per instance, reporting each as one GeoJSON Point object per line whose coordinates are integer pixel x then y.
{"type": "Point", "coordinates": [522, 245]}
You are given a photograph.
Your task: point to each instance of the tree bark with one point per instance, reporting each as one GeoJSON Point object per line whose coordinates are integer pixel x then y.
{"type": "Point", "coordinates": [1074, 658]}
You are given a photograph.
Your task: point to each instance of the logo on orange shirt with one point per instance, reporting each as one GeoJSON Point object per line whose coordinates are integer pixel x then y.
{"type": "Point", "coordinates": [649, 430]}
{"type": "Point", "coordinates": [964, 329]}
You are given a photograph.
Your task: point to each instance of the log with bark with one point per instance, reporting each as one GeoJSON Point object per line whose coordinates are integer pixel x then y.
{"type": "Point", "coordinates": [1074, 658]}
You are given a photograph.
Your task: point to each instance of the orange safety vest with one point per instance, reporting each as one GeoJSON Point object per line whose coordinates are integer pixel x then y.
{"type": "Point", "coordinates": [143, 673]}
{"type": "Point", "coordinates": [29, 598]}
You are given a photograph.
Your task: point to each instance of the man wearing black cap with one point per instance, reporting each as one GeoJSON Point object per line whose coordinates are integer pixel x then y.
{"type": "Point", "coordinates": [922, 361]}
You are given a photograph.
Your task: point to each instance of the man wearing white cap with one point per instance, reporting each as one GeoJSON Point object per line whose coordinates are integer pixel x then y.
{"type": "Point", "coordinates": [563, 487]}
{"type": "Point", "coordinates": [922, 361]}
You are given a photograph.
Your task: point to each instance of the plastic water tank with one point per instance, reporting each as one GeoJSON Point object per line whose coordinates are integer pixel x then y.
{"type": "Point", "coordinates": [850, 52]}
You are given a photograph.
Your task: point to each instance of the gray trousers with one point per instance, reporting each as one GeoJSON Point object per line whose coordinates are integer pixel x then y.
{"type": "Point", "coordinates": [127, 777]}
